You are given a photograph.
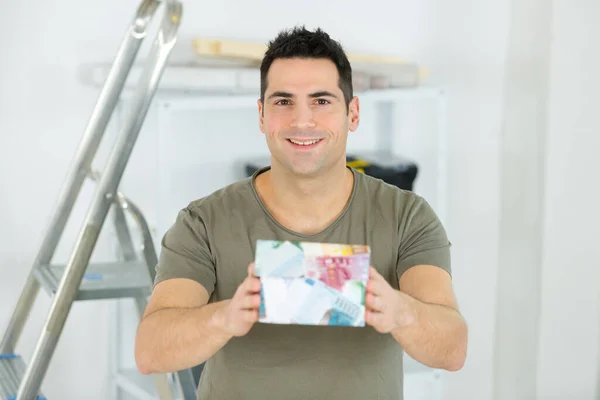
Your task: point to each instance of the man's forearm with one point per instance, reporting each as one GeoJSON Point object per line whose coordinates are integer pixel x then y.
{"type": "Point", "coordinates": [436, 335]}
{"type": "Point", "coordinates": [174, 339]}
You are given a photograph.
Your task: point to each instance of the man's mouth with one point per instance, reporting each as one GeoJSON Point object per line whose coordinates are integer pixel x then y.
{"type": "Point", "coordinates": [304, 142]}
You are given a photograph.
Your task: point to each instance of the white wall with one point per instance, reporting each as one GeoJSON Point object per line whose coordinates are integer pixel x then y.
{"type": "Point", "coordinates": [43, 110]}
{"type": "Point", "coordinates": [548, 306]}
{"type": "Point", "coordinates": [522, 147]}
{"type": "Point", "coordinates": [569, 352]}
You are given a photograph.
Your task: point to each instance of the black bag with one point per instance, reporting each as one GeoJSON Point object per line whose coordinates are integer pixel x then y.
{"type": "Point", "coordinates": [396, 172]}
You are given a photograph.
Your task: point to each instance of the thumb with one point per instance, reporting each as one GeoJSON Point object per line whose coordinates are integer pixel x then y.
{"type": "Point", "coordinates": [251, 269]}
{"type": "Point", "coordinates": [373, 274]}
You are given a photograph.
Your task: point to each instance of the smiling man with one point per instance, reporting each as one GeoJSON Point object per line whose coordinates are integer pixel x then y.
{"type": "Point", "coordinates": [205, 303]}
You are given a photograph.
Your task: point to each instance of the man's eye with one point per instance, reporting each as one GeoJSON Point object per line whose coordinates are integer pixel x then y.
{"type": "Point", "coordinates": [282, 102]}
{"type": "Point", "coordinates": [322, 101]}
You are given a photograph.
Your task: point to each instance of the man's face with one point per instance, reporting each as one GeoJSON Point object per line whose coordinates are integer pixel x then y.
{"type": "Point", "coordinates": [304, 115]}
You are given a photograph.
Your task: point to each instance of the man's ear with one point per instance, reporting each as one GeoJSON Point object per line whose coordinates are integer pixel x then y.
{"type": "Point", "coordinates": [353, 114]}
{"type": "Point", "coordinates": [261, 120]}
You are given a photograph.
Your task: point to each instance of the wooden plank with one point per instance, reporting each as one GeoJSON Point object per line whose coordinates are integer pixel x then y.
{"type": "Point", "coordinates": [243, 51]}
{"type": "Point", "coordinates": [254, 51]}
{"type": "Point", "coordinates": [251, 54]}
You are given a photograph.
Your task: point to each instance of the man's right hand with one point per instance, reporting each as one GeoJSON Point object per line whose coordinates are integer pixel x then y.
{"type": "Point", "coordinates": [241, 312]}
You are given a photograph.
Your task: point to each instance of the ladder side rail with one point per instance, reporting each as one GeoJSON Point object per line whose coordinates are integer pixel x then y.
{"type": "Point", "coordinates": [103, 199]}
{"type": "Point", "coordinates": [148, 249]}
{"type": "Point", "coordinates": [123, 234]}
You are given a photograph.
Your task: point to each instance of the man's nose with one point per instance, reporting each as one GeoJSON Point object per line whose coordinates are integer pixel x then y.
{"type": "Point", "coordinates": [303, 117]}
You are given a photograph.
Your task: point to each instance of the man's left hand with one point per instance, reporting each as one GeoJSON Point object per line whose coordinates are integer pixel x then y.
{"type": "Point", "coordinates": [387, 309]}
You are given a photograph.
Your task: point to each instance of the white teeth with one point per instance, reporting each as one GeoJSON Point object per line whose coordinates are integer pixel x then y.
{"type": "Point", "coordinates": [304, 143]}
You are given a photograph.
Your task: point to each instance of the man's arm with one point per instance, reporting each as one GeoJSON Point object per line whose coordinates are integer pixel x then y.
{"type": "Point", "coordinates": [423, 316]}
{"type": "Point", "coordinates": [179, 330]}
{"type": "Point", "coordinates": [437, 333]}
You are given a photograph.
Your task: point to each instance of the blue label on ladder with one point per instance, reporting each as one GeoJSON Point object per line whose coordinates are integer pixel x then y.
{"type": "Point", "coordinates": [15, 398]}
{"type": "Point", "coordinates": [93, 276]}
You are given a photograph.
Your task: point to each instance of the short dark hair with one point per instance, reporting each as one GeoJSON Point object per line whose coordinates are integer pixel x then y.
{"type": "Point", "coordinates": [299, 42]}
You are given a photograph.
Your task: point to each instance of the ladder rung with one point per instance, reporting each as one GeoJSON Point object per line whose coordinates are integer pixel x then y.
{"type": "Point", "coordinates": [102, 280]}
{"type": "Point", "coordinates": [12, 369]}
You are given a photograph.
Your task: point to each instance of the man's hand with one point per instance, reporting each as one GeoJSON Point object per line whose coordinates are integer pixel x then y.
{"type": "Point", "coordinates": [387, 309]}
{"type": "Point", "coordinates": [241, 312]}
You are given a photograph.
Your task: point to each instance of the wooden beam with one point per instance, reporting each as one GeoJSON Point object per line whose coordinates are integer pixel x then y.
{"type": "Point", "coordinates": [251, 53]}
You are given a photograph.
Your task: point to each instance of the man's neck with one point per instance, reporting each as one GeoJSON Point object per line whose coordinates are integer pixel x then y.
{"type": "Point", "coordinates": [306, 205]}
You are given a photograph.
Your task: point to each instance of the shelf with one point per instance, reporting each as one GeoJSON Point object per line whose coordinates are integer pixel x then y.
{"type": "Point", "coordinates": [205, 80]}
{"type": "Point", "coordinates": [244, 82]}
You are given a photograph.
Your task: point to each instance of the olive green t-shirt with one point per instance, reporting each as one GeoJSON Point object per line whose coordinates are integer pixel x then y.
{"type": "Point", "coordinates": [212, 242]}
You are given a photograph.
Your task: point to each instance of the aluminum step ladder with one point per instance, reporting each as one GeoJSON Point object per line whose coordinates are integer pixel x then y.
{"type": "Point", "coordinates": [78, 279]}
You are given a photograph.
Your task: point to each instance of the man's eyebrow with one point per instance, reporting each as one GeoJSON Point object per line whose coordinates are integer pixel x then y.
{"type": "Point", "coordinates": [288, 95]}
{"type": "Point", "coordinates": [323, 93]}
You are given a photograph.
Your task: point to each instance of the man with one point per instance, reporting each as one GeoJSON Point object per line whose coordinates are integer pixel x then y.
{"type": "Point", "coordinates": [205, 303]}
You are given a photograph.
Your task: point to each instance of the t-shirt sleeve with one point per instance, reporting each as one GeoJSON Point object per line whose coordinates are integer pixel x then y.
{"type": "Point", "coordinates": [185, 252]}
{"type": "Point", "coordinates": [423, 239]}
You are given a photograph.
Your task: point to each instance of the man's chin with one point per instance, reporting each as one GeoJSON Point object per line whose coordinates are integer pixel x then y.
{"type": "Point", "coordinates": [306, 171]}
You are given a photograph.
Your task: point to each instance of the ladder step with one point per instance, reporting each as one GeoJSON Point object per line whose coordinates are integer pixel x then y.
{"type": "Point", "coordinates": [12, 369]}
{"type": "Point", "coordinates": [102, 280]}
